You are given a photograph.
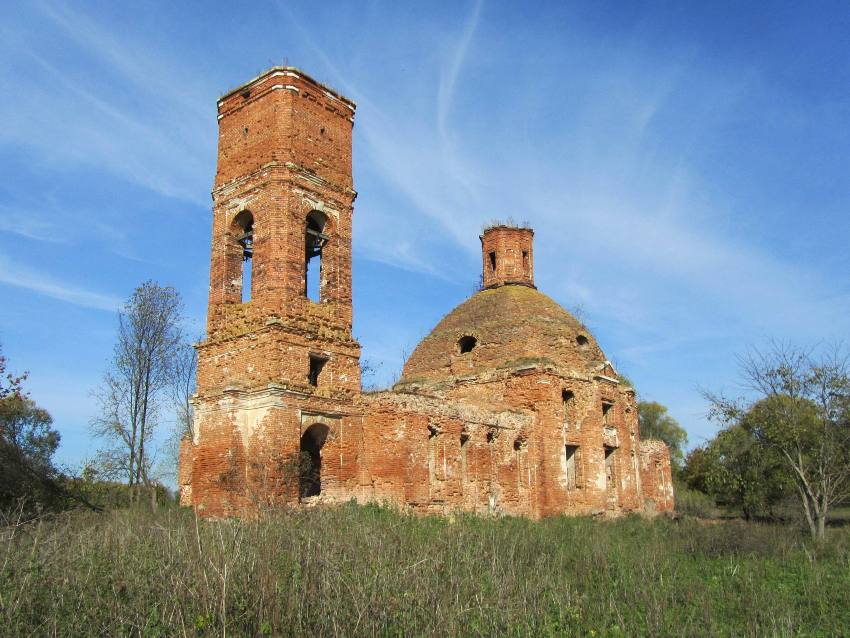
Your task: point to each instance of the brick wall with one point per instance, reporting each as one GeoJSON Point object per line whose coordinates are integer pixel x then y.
{"type": "Point", "coordinates": [508, 406]}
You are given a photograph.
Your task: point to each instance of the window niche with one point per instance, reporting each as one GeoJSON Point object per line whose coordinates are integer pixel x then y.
{"type": "Point", "coordinates": [317, 363]}
{"type": "Point", "coordinates": [572, 466]}
{"type": "Point", "coordinates": [610, 469]}
{"type": "Point", "coordinates": [606, 413]}
{"type": "Point", "coordinates": [466, 344]}
{"type": "Point", "coordinates": [567, 402]}
{"type": "Point", "coordinates": [315, 240]}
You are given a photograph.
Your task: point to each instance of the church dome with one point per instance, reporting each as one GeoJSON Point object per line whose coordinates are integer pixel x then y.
{"type": "Point", "coordinates": [506, 327]}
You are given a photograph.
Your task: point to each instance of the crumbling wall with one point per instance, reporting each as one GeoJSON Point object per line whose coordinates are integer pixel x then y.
{"type": "Point", "coordinates": [185, 462]}
{"type": "Point", "coordinates": [656, 476]}
{"type": "Point", "coordinates": [438, 456]}
{"type": "Point", "coordinates": [508, 406]}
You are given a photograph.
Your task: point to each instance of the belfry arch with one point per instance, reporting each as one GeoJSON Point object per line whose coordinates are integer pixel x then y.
{"type": "Point", "coordinates": [315, 238]}
{"type": "Point", "coordinates": [241, 254]}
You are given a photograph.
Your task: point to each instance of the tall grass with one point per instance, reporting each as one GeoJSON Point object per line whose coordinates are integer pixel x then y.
{"type": "Point", "coordinates": [370, 571]}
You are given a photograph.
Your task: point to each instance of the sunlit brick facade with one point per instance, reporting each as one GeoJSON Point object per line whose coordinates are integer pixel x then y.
{"type": "Point", "coordinates": [508, 406]}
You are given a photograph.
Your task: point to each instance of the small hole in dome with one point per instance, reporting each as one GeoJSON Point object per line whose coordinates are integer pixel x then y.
{"type": "Point", "coordinates": [466, 344]}
{"type": "Point", "coordinates": [582, 341]}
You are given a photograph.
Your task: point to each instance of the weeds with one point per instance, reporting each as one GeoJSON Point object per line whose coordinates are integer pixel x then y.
{"type": "Point", "coordinates": [370, 571]}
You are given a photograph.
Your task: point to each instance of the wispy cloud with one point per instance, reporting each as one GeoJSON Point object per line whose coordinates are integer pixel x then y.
{"type": "Point", "coordinates": [31, 226]}
{"type": "Point", "coordinates": [126, 119]}
{"type": "Point", "coordinates": [12, 274]}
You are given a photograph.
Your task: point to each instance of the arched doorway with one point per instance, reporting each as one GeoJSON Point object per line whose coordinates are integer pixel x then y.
{"type": "Point", "coordinates": [310, 477]}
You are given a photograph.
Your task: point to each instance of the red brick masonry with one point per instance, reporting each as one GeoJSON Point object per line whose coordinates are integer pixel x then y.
{"type": "Point", "coordinates": [509, 405]}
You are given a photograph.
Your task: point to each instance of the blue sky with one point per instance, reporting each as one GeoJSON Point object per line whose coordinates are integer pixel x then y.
{"type": "Point", "coordinates": [684, 165]}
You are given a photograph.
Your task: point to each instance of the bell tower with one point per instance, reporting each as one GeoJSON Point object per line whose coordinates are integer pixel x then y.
{"type": "Point", "coordinates": [278, 374]}
{"type": "Point", "coordinates": [280, 270]}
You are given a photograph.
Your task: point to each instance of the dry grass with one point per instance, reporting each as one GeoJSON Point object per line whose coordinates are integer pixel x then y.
{"type": "Point", "coordinates": [370, 571]}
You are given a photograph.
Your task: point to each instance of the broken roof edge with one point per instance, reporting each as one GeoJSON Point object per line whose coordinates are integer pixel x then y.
{"type": "Point", "coordinates": [298, 73]}
{"type": "Point", "coordinates": [508, 223]}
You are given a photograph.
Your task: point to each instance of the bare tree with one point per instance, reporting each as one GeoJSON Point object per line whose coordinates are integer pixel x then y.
{"type": "Point", "coordinates": [140, 374]}
{"type": "Point", "coordinates": [182, 390]}
{"type": "Point", "coordinates": [183, 387]}
{"type": "Point", "coordinates": [802, 411]}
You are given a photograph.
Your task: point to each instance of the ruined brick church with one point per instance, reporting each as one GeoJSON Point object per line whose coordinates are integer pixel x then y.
{"type": "Point", "coordinates": [508, 406]}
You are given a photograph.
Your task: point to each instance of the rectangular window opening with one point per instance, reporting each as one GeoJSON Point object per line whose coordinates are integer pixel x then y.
{"type": "Point", "coordinates": [317, 362]}
{"type": "Point", "coordinates": [606, 409]}
{"type": "Point", "coordinates": [572, 467]}
{"type": "Point", "coordinates": [610, 469]}
{"type": "Point", "coordinates": [492, 256]}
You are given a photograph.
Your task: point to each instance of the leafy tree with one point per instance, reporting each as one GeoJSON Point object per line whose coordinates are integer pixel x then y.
{"type": "Point", "coordinates": [137, 383]}
{"type": "Point", "coordinates": [27, 444]}
{"type": "Point", "coordinates": [739, 473]}
{"type": "Point", "coordinates": [801, 414]}
{"type": "Point", "coordinates": [655, 423]}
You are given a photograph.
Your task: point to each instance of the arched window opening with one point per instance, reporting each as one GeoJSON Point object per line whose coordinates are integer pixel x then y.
{"type": "Point", "coordinates": [466, 344]}
{"type": "Point", "coordinates": [315, 240]}
{"type": "Point", "coordinates": [310, 479]}
{"type": "Point", "coordinates": [492, 256]}
{"type": "Point", "coordinates": [244, 231]}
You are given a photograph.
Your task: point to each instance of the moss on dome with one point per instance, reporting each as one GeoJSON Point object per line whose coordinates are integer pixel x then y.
{"type": "Point", "coordinates": [511, 325]}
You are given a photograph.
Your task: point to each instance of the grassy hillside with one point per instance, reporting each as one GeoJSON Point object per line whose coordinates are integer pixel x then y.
{"type": "Point", "coordinates": [369, 571]}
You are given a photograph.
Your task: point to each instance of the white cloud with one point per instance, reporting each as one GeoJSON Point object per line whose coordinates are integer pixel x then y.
{"type": "Point", "coordinates": [12, 274]}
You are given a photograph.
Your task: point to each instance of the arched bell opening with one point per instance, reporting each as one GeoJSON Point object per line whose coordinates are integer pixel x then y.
{"type": "Point", "coordinates": [241, 255]}
{"type": "Point", "coordinates": [315, 238]}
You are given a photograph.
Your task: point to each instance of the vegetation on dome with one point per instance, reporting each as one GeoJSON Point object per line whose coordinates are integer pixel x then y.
{"type": "Point", "coordinates": [508, 223]}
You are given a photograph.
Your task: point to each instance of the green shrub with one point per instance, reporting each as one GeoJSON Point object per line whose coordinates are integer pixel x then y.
{"type": "Point", "coordinates": [694, 503]}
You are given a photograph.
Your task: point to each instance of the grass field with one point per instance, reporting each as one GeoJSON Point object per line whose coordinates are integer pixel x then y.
{"type": "Point", "coordinates": [370, 571]}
